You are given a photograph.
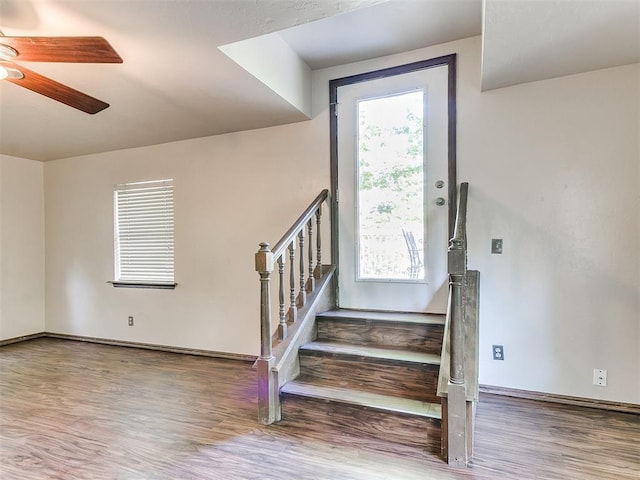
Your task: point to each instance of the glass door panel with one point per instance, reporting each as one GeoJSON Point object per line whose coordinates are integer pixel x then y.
{"type": "Point", "coordinates": [391, 187]}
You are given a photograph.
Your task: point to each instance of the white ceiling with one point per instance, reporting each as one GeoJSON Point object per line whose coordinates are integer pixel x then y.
{"type": "Point", "coordinates": [176, 84]}
{"type": "Point", "coordinates": [524, 41]}
{"type": "Point", "coordinates": [387, 28]}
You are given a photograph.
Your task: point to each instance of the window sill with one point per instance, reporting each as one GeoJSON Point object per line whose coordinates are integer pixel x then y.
{"type": "Point", "coordinates": [161, 286]}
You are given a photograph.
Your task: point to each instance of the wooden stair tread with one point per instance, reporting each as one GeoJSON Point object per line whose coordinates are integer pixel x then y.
{"type": "Point", "coordinates": [369, 400]}
{"type": "Point", "coordinates": [376, 353]}
{"type": "Point", "coordinates": [376, 316]}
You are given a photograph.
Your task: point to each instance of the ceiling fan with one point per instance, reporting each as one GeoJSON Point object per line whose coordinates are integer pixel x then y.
{"type": "Point", "coordinates": [54, 49]}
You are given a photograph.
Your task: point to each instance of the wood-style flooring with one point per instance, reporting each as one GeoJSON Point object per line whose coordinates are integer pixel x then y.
{"type": "Point", "coordinates": [73, 410]}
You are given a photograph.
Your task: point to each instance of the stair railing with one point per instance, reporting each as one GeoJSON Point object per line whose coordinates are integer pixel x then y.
{"type": "Point", "coordinates": [293, 294]}
{"type": "Point", "coordinates": [458, 383]}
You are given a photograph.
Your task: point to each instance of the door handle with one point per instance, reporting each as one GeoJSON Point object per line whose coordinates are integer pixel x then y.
{"type": "Point", "coordinates": [440, 201]}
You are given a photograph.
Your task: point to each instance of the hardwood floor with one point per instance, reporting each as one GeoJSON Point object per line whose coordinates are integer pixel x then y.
{"type": "Point", "coordinates": [73, 410]}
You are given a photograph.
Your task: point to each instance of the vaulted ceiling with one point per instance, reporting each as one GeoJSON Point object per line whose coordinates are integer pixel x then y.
{"type": "Point", "coordinates": [187, 63]}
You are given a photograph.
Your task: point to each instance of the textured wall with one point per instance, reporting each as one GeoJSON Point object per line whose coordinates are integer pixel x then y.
{"type": "Point", "coordinates": [231, 192]}
{"type": "Point", "coordinates": [21, 247]}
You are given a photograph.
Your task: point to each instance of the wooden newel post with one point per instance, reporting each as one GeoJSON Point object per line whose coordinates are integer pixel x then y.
{"type": "Point", "coordinates": [456, 390]}
{"type": "Point", "coordinates": [267, 385]}
{"type": "Point", "coordinates": [457, 270]}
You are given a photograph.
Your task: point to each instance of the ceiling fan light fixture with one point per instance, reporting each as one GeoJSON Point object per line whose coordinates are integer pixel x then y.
{"type": "Point", "coordinates": [8, 72]}
{"type": "Point", "coordinates": [7, 52]}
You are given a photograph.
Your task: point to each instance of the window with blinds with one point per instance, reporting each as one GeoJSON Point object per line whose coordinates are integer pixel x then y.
{"type": "Point", "coordinates": [144, 234]}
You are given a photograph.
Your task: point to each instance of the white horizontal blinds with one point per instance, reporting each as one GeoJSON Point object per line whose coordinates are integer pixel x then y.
{"type": "Point", "coordinates": [144, 232]}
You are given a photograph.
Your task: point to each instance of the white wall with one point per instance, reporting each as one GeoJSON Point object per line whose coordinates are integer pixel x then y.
{"type": "Point", "coordinates": [272, 61]}
{"type": "Point", "coordinates": [231, 192]}
{"type": "Point", "coordinates": [554, 171]}
{"type": "Point", "coordinates": [21, 247]}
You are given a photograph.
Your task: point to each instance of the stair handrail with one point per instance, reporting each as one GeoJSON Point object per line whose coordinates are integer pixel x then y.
{"type": "Point", "coordinates": [302, 220]}
{"type": "Point", "coordinates": [310, 271]}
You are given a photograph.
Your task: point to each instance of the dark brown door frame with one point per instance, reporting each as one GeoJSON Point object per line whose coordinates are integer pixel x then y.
{"type": "Point", "coordinates": [450, 62]}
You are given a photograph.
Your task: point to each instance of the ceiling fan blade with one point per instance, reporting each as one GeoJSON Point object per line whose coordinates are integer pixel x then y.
{"type": "Point", "coordinates": [62, 49]}
{"type": "Point", "coordinates": [52, 89]}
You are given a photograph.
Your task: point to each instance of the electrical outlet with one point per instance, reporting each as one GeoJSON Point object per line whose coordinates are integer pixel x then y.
{"type": "Point", "coordinates": [498, 352]}
{"type": "Point", "coordinates": [131, 321]}
{"type": "Point", "coordinates": [599, 377]}
{"type": "Point", "coordinates": [496, 246]}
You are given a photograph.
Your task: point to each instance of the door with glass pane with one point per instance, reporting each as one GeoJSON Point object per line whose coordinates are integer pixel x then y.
{"type": "Point", "coordinates": [392, 154]}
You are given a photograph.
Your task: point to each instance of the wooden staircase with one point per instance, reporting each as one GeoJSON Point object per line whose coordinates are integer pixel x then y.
{"type": "Point", "coordinates": [371, 374]}
{"type": "Point", "coordinates": [366, 373]}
